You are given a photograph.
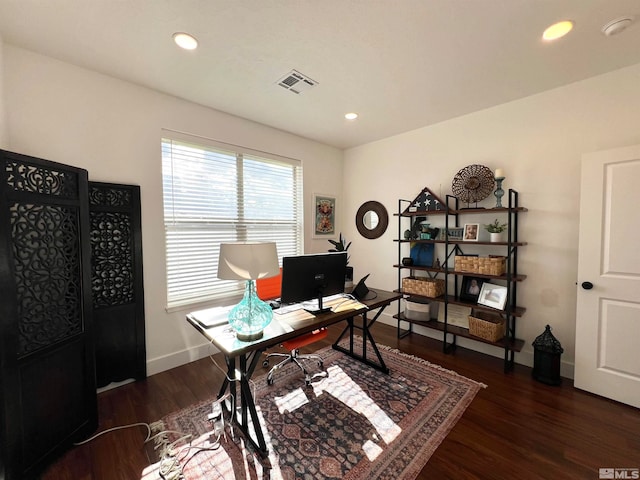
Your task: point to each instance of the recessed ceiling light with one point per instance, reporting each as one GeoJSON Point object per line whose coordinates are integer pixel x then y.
{"type": "Point", "coordinates": [186, 41]}
{"type": "Point", "coordinates": [557, 30]}
{"type": "Point", "coordinates": [351, 116]}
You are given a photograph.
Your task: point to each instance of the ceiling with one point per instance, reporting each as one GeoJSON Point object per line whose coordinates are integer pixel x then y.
{"type": "Point", "coordinates": [400, 64]}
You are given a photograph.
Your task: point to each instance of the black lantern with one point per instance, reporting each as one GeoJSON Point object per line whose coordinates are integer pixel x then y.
{"type": "Point", "coordinates": [546, 358]}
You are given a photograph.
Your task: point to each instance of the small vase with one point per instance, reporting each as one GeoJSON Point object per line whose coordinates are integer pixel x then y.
{"type": "Point", "coordinates": [496, 236]}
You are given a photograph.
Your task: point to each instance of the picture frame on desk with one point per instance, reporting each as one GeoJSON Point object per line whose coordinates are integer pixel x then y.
{"type": "Point", "coordinates": [492, 295]}
{"type": "Point", "coordinates": [470, 288]}
{"type": "Point", "coordinates": [324, 215]}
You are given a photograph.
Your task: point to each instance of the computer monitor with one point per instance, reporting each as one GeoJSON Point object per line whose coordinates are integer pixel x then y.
{"type": "Point", "coordinates": [313, 276]}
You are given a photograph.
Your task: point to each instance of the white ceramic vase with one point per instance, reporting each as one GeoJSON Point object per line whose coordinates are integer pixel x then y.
{"type": "Point", "coordinates": [497, 236]}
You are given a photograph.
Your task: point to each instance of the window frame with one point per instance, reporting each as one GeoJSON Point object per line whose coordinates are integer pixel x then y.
{"type": "Point", "coordinates": [225, 229]}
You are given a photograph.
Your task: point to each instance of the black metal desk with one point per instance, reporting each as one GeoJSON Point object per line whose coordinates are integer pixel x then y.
{"type": "Point", "coordinates": [243, 357]}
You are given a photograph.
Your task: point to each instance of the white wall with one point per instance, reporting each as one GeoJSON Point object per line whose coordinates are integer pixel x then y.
{"type": "Point", "coordinates": [112, 128]}
{"type": "Point", "coordinates": [538, 141]}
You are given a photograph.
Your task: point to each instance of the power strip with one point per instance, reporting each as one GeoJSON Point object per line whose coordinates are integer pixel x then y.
{"type": "Point", "coordinates": [216, 417]}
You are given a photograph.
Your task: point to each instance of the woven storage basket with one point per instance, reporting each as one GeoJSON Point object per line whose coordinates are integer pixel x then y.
{"type": "Point", "coordinates": [493, 265]}
{"type": "Point", "coordinates": [487, 326]}
{"type": "Point", "coordinates": [427, 287]}
{"type": "Point", "coordinates": [466, 264]}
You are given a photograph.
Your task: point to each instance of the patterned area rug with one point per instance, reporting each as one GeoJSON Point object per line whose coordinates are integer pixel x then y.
{"type": "Point", "coordinates": [353, 422]}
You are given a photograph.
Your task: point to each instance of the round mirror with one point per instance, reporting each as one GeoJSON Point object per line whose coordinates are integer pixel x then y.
{"type": "Point", "coordinates": [372, 219]}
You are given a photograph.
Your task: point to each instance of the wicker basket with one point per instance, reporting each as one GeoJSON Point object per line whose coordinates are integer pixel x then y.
{"type": "Point", "coordinates": [427, 287]}
{"type": "Point", "coordinates": [487, 326]}
{"type": "Point", "coordinates": [466, 264]}
{"type": "Point", "coordinates": [491, 265]}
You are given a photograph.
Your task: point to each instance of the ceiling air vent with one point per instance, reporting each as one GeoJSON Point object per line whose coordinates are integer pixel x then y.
{"type": "Point", "coordinates": [296, 82]}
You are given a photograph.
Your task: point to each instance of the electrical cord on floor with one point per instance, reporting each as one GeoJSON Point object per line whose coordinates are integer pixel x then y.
{"type": "Point", "coordinates": [200, 450]}
{"type": "Point", "coordinates": [174, 458]}
{"type": "Point", "coordinates": [171, 461]}
{"type": "Point", "coordinates": [172, 455]}
{"type": "Point", "coordinates": [169, 467]}
{"type": "Point", "coordinates": [117, 428]}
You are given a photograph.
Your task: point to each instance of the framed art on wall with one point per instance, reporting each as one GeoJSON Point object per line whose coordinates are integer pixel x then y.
{"type": "Point", "coordinates": [324, 215]}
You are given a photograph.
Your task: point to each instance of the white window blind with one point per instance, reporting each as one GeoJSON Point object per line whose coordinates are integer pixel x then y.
{"type": "Point", "coordinates": [214, 194]}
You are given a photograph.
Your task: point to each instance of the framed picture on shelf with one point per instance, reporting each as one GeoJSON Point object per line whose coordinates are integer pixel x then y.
{"type": "Point", "coordinates": [457, 315]}
{"type": "Point", "coordinates": [492, 295]}
{"type": "Point", "coordinates": [324, 216]}
{"type": "Point", "coordinates": [471, 232]}
{"type": "Point", "coordinates": [454, 233]}
{"type": "Point", "coordinates": [470, 290]}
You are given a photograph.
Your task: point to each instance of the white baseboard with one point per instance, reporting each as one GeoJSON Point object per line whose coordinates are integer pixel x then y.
{"type": "Point", "coordinates": [172, 360]}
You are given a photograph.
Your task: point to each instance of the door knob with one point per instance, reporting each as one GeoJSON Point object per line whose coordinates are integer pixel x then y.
{"type": "Point", "coordinates": [587, 285]}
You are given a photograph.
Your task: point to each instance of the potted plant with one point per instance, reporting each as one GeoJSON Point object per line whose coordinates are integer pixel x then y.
{"type": "Point", "coordinates": [341, 245]}
{"type": "Point", "coordinates": [496, 230]}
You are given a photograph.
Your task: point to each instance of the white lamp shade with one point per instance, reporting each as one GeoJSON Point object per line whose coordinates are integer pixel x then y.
{"type": "Point", "coordinates": [248, 260]}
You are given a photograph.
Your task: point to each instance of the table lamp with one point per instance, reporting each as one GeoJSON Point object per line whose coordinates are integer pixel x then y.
{"type": "Point", "coordinates": [249, 261]}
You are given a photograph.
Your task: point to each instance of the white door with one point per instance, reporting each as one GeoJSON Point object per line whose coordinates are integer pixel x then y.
{"type": "Point", "coordinates": [608, 314]}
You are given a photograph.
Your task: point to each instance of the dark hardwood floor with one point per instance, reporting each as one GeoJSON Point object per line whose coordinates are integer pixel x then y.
{"type": "Point", "coordinates": [516, 428]}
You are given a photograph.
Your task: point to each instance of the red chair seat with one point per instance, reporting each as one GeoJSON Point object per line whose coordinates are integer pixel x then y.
{"type": "Point", "coordinates": [304, 340]}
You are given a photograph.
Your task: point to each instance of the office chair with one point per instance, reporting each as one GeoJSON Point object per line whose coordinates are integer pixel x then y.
{"type": "Point", "coordinates": [269, 289]}
{"type": "Point", "coordinates": [294, 355]}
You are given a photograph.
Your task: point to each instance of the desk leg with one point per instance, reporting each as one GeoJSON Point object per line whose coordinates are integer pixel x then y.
{"type": "Point", "coordinates": [247, 402]}
{"type": "Point", "coordinates": [231, 367]}
{"type": "Point", "coordinates": [366, 334]}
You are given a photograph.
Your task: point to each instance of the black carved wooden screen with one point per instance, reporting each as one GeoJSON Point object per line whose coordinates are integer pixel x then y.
{"type": "Point", "coordinates": [47, 371]}
{"type": "Point", "coordinates": [117, 284]}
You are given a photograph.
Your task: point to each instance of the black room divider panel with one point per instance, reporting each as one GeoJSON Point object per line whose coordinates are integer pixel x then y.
{"type": "Point", "coordinates": [47, 371]}
{"type": "Point", "coordinates": [118, 295]}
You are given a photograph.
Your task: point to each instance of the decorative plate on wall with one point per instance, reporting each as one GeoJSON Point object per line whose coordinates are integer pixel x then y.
{"type": "Point", "coordinates": [473, 183]}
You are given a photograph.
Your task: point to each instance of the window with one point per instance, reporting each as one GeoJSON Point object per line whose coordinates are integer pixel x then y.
{"type": "Point", "coordinates": [217, 193]}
